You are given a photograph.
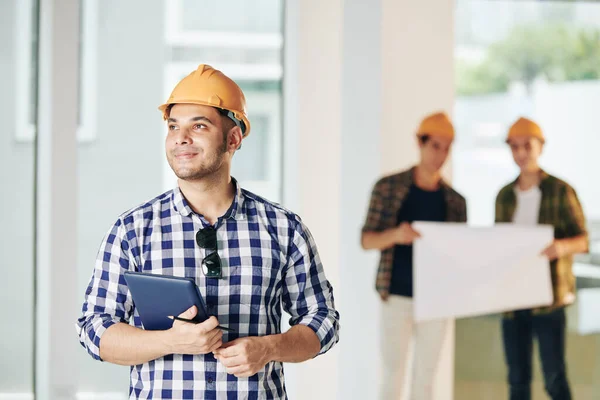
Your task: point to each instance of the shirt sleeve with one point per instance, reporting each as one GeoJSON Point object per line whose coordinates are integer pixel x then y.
{"type": "Point", "coordinates": [375, 212]}
{"type": "Point", "coordinates": [463, 210]}
{"type": "Point", "coordinates": [575, 224]}
{"type": "Point", "coordinates": [499, 208]}
{"type": "Point", "coordinates": [307, 294]}
{"type": "Point", "coordinates": [107, 300]}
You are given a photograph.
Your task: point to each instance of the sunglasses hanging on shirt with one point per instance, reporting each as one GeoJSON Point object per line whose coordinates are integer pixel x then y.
{"type": "Point", "coordinates": [211, 265]}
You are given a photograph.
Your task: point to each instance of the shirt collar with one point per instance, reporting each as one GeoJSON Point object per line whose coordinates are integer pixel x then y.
{"type": "Point", "coordinates": [235, 211]}
{"type": "Point", "coordinates": [409, 179]}
{"type": "Point", "coordinates": [543, 180]}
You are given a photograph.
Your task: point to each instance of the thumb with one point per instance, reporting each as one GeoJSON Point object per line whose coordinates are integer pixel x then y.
{"type": "Point", "coordinates": [189, 313]}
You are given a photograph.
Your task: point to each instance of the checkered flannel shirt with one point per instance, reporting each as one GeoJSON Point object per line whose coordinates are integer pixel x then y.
{"type": "Point", "coordinates": [269, 260]}
{"type": "Point", "coordinates": [560, 208]}
{"type": "Point", "coordinates": [387, 198]}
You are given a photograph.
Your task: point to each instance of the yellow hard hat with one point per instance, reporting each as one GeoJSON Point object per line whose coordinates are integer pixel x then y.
{"type": "Point", "coordinates": [524, 127]}
{"type": "Point", "coordinates": [210, 87]}
{"type": "Point", "coordinates": [437, 124]}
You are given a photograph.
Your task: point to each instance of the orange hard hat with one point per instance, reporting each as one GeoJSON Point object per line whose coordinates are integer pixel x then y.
{"type": "Point", "coordinates": [210, 87]}
{"type": "Point", "coordinates": [437, 124]}
{"type": "Point", "coordinates": [525, 127]}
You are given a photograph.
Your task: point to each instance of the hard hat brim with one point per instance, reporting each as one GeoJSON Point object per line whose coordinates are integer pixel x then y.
{"type": "Point", "coordinates": [163, 108]}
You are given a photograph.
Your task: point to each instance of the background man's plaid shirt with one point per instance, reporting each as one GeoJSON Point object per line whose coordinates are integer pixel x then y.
{"type": "Point", "coordinates": [560, 208]}
{"type": "Point", "coordinates": [387, 198]}
{"type": "Point", "coordinates": [270, 261]}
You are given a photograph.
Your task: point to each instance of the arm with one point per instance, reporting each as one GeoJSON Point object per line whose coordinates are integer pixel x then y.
{"type": "Point", "coordinates": [244, 357]}
{"type": "Point", "coordinates": [372, 237]}
{"type": "Point", "coordinates": [498, 209]}
{"type": "Point", "coordinates": [126, 345]}
{"type": "Point", "coordinates": [574, 227]}
{"type": "Point", "coordinates": [577, 237]}
{"type": "Point", "coordinates": [308, 298]}
{"type": "Point", "coordinates": [107, 300]}
{"type": "Point", "coordinates": [371, 240]}
{"type": "Point", "coordinates": [402, 234]}
{"type": "Point", "coordinates": [298, 344]}
{"type": "Point", "coordinates": [103, 328]}
{"type": "Point", "coordinates": [579, 244]}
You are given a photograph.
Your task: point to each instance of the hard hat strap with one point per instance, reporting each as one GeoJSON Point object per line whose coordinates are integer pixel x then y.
{"type": "Point", "coordinates": [238, 123]}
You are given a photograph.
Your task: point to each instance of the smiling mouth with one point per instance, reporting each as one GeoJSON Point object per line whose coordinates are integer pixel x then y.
{"type": "Point", "coordinates": [185, 156]}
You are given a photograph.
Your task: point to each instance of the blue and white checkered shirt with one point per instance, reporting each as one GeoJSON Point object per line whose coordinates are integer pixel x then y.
{"type": "Point", "coordinates": [269, 261]}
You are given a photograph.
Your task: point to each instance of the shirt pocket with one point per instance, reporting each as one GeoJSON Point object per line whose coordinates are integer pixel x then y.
{"type": "Point", "coordinates": [254, 283]}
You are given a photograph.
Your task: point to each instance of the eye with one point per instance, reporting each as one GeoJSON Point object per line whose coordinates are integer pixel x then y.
{"type": "Point", "coordinates": [199, 126]}
{"type": "Point", "coordinates": [172, 127]}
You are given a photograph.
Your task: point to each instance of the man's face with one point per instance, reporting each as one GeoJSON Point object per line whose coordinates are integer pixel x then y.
{"type": "Point", "coordinates": [434, 152]}
{"type": "Point", "coordinates": [196, 145]}
{"type": "Point", "coordinates": [526, 151]}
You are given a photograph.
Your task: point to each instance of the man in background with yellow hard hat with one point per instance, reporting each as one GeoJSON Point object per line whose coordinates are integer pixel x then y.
{"type": "Point", "coordinates": [418, 194]}
{"type": "Point", "coordinates": [249, 258]}
{"type": "Point", "coordinates": [536, 197]}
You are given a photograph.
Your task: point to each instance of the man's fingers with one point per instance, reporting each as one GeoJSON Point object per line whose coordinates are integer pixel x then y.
{"type": "Point", "coordinates": [189, 313]}
{"type": "Point", "coordinates": [209, 324]}
{"type": "Point", "coordinates": [215, 344]}
{"type": "Point", "coordinates": [231, 362]}
{"type": "Point", "coordinates": [213, 337]}
{"type": "Point", "coordinates": [228, 350]}
{"type": "Point", "coordinates": [238, 371]}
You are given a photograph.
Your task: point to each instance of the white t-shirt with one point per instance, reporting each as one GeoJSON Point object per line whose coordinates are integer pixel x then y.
{"type": "Point", "coordinates": [528, 206]}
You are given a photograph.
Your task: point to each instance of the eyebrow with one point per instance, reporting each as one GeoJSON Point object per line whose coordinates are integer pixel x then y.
{"type": "Point", "coordinates": [194, 119]}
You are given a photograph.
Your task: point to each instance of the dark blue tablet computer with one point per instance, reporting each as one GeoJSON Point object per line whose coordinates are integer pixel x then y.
{"type": "Point", "coordinates": [156, 297]}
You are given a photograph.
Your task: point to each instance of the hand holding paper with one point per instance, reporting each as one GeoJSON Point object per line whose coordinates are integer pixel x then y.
{"type": "Point", "coordinates": [405, 234]}
{"type": "Point", "coordinates": [462, 271]}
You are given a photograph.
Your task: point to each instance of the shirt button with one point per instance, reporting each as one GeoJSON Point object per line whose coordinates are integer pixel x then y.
{"type": "Point", "coordinates": [210, 380]}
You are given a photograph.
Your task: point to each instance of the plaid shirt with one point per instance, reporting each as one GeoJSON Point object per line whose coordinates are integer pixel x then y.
{"type": "Point", "coordinates": [560, 208]}
{"type": "Point", "coordinates": [269, 261]}
{"type": "Point", "coordinates": [387, 198]}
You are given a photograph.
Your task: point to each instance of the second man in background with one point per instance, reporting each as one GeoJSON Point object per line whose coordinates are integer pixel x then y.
{"type": "Point", "coordinates": [417, 194]}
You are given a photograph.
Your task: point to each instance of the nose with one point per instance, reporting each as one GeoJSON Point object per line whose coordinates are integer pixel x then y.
{"type": "Point", "coordinates": [521, 153]}
{"type": "Point", "coordinates": [182, 136]}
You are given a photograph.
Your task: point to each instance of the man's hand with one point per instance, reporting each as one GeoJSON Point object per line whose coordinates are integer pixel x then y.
{"type": "Point", "coordinates": [405, 234]}
{"type": "Point", "coordinates": [554, 251]}
{"type": "Point", "coordinates": [244, 357]}
{"type": "Point", "coordinates": [188, 338]}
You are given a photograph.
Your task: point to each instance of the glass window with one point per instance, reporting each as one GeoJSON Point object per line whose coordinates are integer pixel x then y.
{"type": "Point", "coordinates": [233, 16]}
{"type": "Point", "coordinates": [129, 67]}
{"type": "Point", "coordinates": [18, 80]}
{"type": "Point", "coordinates": [540, 60]}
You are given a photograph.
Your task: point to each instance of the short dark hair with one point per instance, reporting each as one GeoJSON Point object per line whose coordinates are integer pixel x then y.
{"type": "Point", "coordinates": [237, 122]}
{"type": "Point", "coordinates": [227, 122]}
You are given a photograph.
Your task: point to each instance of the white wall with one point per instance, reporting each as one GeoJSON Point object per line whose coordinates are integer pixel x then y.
{"type": "Point", "coordinates": [314, 50]}
{"type": "Point", "coordinates": [16, 216]}
{"type": "Point", "coordinates": [360, 166]}
{"type": "Point", "coordinates": [395, 67]}
{"type": "Point", "coordinates": [129, 127]}
{"type": "Point", "coordinates": [56, 373]}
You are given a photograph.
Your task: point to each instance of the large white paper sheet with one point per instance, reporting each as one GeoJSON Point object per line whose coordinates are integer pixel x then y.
{"type": "Point", "coordinates": [462, 271]}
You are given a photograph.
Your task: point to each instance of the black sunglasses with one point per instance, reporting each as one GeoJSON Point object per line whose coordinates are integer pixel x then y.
{"type": "Point", "coordinates": [211, 265]}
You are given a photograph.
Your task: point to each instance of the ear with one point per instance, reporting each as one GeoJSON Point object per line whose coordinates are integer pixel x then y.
{"type": "Point", "coordinates": [234, 139]}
